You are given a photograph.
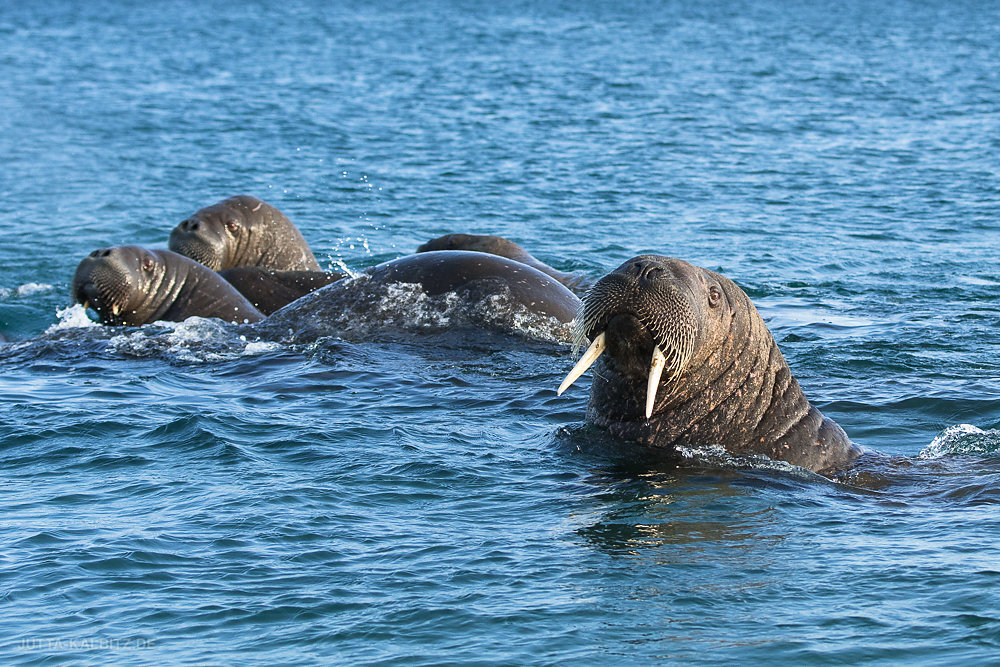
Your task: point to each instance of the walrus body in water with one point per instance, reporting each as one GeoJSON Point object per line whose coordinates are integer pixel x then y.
{"type": "Point", "coordinates": [685, 360]}
{"type": "Point", "coordinates": [498, 245]}
{"type": "Point", "coordinates": [130, 286]}
{"type": "Point", "coordinates": [269, 290]}
{"type": "Point", "coordinates": [446, 290]}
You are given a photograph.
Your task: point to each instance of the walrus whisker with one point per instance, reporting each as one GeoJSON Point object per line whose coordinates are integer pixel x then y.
{"type": "Point", "coordinates": [586, 361]}
{"type": "Point", "coordinates": [655, 370]}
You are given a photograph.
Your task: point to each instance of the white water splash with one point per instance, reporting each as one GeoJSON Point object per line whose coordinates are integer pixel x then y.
{"type": "Point", "coordinates": [26, 289]}
{"type": "Point", "coordinates": [963, 439]}
{"type": "Point", "coordinates": [195, 340]}
{"type": "Point", "coordinates": [71, 318]}
{"type": "Point", "coordinates": [338, 263]}
{"type": "Point", "coordinates": [354, 308]}
{"type": "Point", "coordinates": [716, 456]}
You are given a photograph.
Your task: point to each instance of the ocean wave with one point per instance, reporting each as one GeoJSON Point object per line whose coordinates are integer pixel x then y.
{"type": "Point", "coordinates": [195, 340]}
{"type": "Point", "coordinates": [27, 289]}
{"type": "Point", "coordinates": [963, 440]}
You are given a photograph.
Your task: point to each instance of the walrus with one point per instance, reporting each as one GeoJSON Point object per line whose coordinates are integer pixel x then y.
{"type": "Point", "coordinates": [685, 360]}
{"type": "Point", "coordinates": [433, 290]}
{"type": "Point", "coordinates": [268, 290]}
{"type": "Point", "coordinates": [243, 231]}
{"type": "Point", "coordinates": [130, 286]}
{"type": "Point", "coordinates": [498, 245]}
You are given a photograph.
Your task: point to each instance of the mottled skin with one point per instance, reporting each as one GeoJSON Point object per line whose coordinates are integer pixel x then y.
{"type": "Point", "coordinates": [243, 231]}
{"type": "Point", "coordinates": [448, 271]}
{"type": "Point", "coordinates": [497, 245]}
{"type": "Point", "coordinates": [732, 386]}
{"type": "Point", "coordinates": [474, 289]}
{"type": "Point", "coordinates": [131, 286]}
{"type": "Point", "coordinates": [269, 290]}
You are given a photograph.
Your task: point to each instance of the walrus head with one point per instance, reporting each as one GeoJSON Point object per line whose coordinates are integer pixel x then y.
{"type": "Point", "coordinates": [117, 283]}
{"type": "Point", "coordinates": [658, 319]}
{"type": "Point", "coordinates": [131, 286]}
{"type": "Point", "coordinates": [242, 231]}
{"type": "Point", "coordinates": [685, 360]}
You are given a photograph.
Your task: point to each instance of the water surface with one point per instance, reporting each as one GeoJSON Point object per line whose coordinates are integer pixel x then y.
{"type": "Point", "coordinates": [180, 493]}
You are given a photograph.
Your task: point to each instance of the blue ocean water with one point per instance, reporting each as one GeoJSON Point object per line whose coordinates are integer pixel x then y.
{"type": "Point", "coordinates": [184, 493]}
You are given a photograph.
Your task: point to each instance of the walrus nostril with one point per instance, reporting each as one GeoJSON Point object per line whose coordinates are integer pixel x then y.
{"type": "Point", "coordinates": [651, 273]}
{"type": "Point", "coordinates": [103, 252]}
{"type": "Point", "coordinates": [190, 225]}
{"type": "Point", "coordinates": [644, 270]}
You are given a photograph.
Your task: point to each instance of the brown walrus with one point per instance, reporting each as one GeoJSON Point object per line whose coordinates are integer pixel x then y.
{"type": "Point", "coordinates": [269, 290]}
{"type": "Point", "coordinates": [131, 286]}
{"type": "Point", "coordinates": [243, 231]}
{"type": "Point", "coordinates": [498, 245]}
{"type": "Point", "coordinates": [685, 360]}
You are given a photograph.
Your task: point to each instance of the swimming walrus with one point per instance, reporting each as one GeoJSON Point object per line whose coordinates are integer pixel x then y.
{"type": "Point", "coordinates": [269, 290]}
{"type": "Point", "coordinates": [243, 231]}
{"type": "Point", "coordinates": [498, 245]}
{"type": "Point", "coordinates": [129, 285]}
{"type": "Point", "coordinates": [442, 290]}
{"type": "Point", "coordinates": [685, 360]}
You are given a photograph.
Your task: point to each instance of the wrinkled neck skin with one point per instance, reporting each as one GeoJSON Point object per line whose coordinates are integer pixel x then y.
{"type": "Point", "coordinates": [737, 392]}
{"type": "Point", "coordinates": [268, 239]}
{"type": "Point", "coordinates": [176, 291]}
{"type": "Point", "coordinates": [156, 295]}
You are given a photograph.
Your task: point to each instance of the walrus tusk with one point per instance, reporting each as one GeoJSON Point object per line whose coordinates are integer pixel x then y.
{"type": "Point", "coordinates": [655, 370]}
{"type": "Point", "coordinates": [86, 305]}
{"type": "Point", "coordinates": [116, 309]}
{"type": "Point", "coordinates": [586, 361]}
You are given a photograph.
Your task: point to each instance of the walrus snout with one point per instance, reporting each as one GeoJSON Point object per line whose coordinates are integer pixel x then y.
{"type": "Point", "coordinates": [644, 315]}
{"type": "Point", "coordinates": [646, 290]}
{"type": "Point", "coordinates": [644, 269]}
{"type": "Point", "coordinates": [102, 281]}
{"type": "Point", "coordinates": [190, 238]}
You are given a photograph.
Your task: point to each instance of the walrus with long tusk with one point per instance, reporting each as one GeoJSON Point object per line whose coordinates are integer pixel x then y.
{"type": "Point", "coordinates": [685, 360]}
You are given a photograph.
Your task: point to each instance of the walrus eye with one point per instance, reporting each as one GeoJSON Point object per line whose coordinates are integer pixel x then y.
{"type": "Point", "coordinates": [147, 264]}
{"type": "Point", "coordinates": [232, 226]}
{"type": "Point", "coordinates": [714, 296]}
